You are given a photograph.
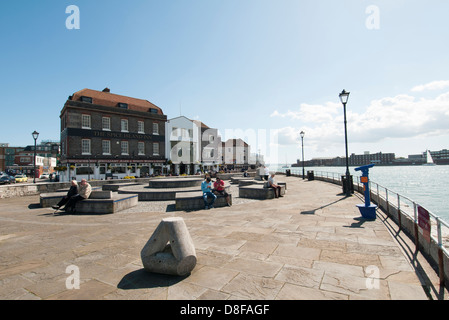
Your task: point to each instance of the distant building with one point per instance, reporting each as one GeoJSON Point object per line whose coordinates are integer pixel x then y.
{"type": "Point", "coordinates": [439, 157]}
{"type": "Point", "coordinates": [236, 154]}
{"type": "Point", "coordinates": [24, 163]}
{"type": "Point", "coordinates": [211, 147]}
{"type": "Point", "coordinates": [413, 159]}
{"type": "Point", "coordinates": [7, 155]}
{"type": "Point", "coordinates": [322, 161]}
{"type": "Point", "coordinates": [105, 134]}
{"type": "Point", "coordinates": [368, 158]}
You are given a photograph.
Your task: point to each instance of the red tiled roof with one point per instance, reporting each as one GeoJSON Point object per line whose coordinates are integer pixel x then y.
{"type": "Point", "coordinates": [234, 142]}
{"type": "Point", "coordinates": [203, 125]}
{"type": "Point", "coordinates": [108, 99]}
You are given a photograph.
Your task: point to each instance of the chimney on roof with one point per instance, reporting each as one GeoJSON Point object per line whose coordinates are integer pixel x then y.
{"type": "Point", "coordinates": [106, 90]}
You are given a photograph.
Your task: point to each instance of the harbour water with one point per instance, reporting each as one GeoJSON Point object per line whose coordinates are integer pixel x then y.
{"type": "Point", "coordinates": [426, 185]}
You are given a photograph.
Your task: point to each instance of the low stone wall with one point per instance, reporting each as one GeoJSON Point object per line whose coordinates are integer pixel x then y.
{"type": "Point", "coordinates": [258, 191]}
{"type": "Point", "coordinates": [175, 182]}
{"type": "Point", "coordinates": [158, 194]}
{"type": "Point", "coordinates": [194, 201]}
{"type": "Point", "coordinates": [27, 189]}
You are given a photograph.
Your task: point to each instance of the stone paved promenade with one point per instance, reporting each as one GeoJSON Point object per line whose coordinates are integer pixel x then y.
{"type": "Point", "coordinates": [310, 244]}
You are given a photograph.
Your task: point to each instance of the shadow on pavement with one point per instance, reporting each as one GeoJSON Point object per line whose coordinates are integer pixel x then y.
{"type": "Point", "coordinates": [142, 279]}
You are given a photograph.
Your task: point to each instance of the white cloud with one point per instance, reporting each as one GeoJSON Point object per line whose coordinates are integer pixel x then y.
{"type": "Point", "coordinates": [435, 85]}
{"type": "Point", "coordinates": [401, 116]}
{"type": "Point", "coordinates": [311, 113]}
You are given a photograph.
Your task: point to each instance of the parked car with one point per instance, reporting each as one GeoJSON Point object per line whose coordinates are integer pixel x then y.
{"type": "Point", "coordinates": [5, 180]}
{"type": "Point", "coordinates": [44, 176]}
{"type": "Point", "coordinates": [21, 178]}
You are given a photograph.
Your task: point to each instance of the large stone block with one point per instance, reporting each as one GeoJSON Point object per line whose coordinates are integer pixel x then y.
{"type": "Point", "coordinates": [170, 250]}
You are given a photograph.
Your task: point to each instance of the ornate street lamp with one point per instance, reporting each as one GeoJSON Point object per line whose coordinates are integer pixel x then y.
{"type": "Point", "coordinates": [35, 135]}
{"type": "Point", "coordinates": [344, 96]}
{"type": "Point", "coordinates": [302, 134]}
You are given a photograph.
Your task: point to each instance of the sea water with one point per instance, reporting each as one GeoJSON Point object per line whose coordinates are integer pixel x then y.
{"type": "Point", "coordinates": [426, 185]}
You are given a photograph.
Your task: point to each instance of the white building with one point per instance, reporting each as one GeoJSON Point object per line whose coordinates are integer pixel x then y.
{"type": "Point", "coordinates": [192, 146]}
{"type": "Point", "coordinates": [182, 145]}
{"type": "Point", "coordinates": [236, 154]}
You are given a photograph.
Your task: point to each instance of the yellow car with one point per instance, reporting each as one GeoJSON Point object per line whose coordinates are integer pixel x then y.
{"type": "Point", "coordinates": [21, 178]}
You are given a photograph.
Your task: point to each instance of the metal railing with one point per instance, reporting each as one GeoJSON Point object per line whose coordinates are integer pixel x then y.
{"type": "Point", "coordinates": [401, 208]}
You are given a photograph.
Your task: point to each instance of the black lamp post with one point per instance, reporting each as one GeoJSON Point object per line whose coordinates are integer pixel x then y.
{"type": "Point", "coordinates": [344, 96]}
{"type": "Point", "coordinates": [35, 135]}
{"type": "Point", "coordinates": [302, 134]}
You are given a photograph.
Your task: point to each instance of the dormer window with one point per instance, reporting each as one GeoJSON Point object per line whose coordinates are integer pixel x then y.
{"type": "Point", "coordinates": [86, 99]}
{"type": "Point", "coordinates": [152, 110]}
{"type": "Point", "coordinates": [123, 105]}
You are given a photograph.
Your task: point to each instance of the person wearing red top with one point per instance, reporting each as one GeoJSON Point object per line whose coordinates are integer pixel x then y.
{"type": "Point", "coordinates": [219, 188]}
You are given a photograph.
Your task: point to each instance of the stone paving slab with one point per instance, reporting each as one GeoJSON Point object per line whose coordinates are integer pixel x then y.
{"type": "Point", "coordinates": [310, 244]}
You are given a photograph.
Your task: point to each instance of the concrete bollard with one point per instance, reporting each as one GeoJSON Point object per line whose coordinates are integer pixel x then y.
{"type": "Point", "coordinates": [170, 249]}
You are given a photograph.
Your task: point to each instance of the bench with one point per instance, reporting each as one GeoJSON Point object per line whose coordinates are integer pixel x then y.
{"type": "Point", "coordinates": [99, 202]}
{"type": "Point", "coordinates": [236, 180]}
{"type": "Point", "coordinates": [180, 182]}
{"type": "Point", "coordinates": [159, 194]}
{"type": "Point", "coordinates": [117, 186]}
{"type": "Point", "coordinates": [63, 192]}
{"type": "Point", "coordinates": [259, 191]}
{"type": "Point", "coordinates": [257, 182]}
{"type": "Point", "coordinates": [194, 201]}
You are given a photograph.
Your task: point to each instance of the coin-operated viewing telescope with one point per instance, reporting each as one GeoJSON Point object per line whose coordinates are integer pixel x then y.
{"type": "Point", "coordinates": [367, 210]}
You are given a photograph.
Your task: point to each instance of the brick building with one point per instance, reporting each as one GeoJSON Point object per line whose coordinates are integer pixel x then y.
{"type": "Point", "coordinates": [105, 134]}
{"type": "Point", "coordinates": [7, 156]}
{"type": "Point", "coordinates": [367, 158]}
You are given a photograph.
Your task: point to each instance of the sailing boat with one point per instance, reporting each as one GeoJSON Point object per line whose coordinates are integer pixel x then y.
{"type": "Point", "coordinates": [429, 160]}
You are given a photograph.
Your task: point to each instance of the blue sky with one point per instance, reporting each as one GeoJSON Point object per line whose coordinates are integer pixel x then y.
{"type": "Point", "coordinates": [256, 66]}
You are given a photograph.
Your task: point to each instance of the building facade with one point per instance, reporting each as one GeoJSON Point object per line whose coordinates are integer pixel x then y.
{"type": "Point", "coordinates": [105, 135]}
{"type": "Point", "coordinates": [211, 147]}
{"type": "Point", "coordinates": [378, 158]}
{"type": "Point", "coordinates": [192, 146]}
{"type": "Point", "coordinates": [182, 145]}
{"type": "Point", "coordinates": [439, 157]}
{"type": "Point", "coordinates": [236, 154]}
{"type": "Point", "coordinates": [7, 156]}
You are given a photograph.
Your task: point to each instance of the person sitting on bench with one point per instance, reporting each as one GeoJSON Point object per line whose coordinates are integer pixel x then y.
{"type": "Point", "coordinates": [72, 192]}
{"type": "Point", "coordinates": [276, 187]}
{"type": "Point", "coordinates": [219, 188]}
{"type": "Point", "coordinates": [84, 192]}
{"type": "Point", "coordinates": [206, 188]}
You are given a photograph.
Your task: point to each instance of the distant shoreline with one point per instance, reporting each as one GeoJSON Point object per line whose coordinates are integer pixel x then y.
{"type": "Point", "coordinates": [377, 165]}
